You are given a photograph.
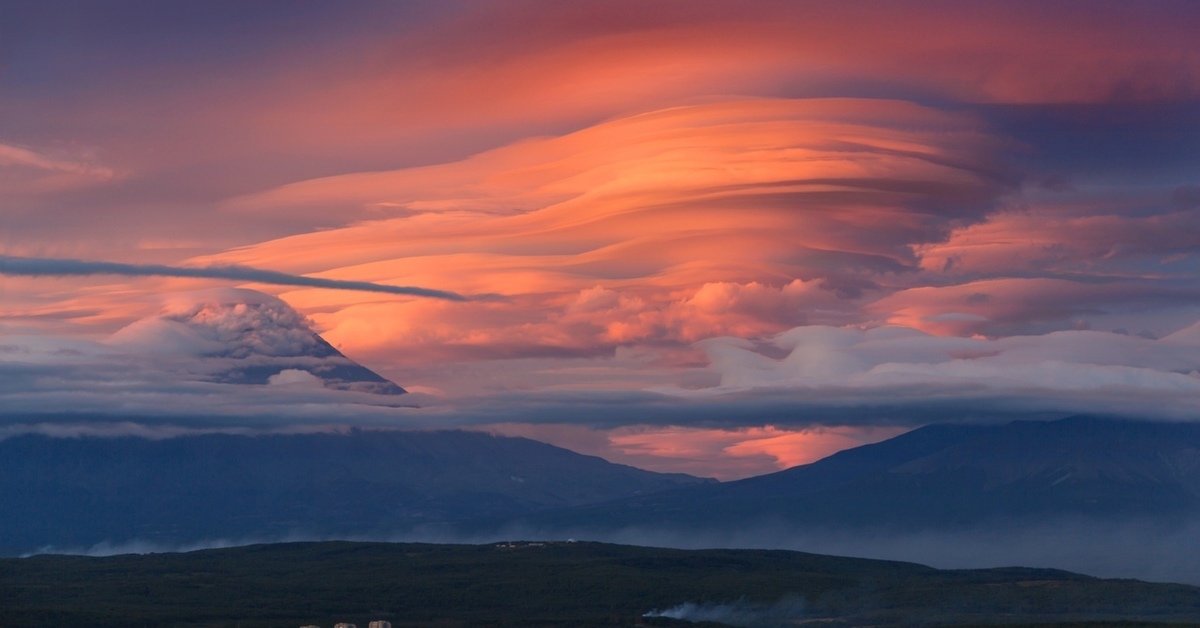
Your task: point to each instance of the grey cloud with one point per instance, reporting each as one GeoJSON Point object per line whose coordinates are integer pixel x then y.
{"type": "Point", "coordinates": [1083, 363]}
{"type": "Point", "coordinates": [809, 376]}
{"type": "Point", "coordinates": [42, 267]}
{"type": "Point", "coordinates": [74, 427]}
{"type": "Point", "coordinates": [898, 405]}
{"type": "Point", "coordinates": [103, 383]}
{"type": "Point", "coordinates": [58, 395]}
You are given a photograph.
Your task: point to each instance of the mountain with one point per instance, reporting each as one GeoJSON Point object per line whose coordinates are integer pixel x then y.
{"type": "Point", "coordinates": [1102, 496]}
{"type": "Point", "coordinates": [559, 585]}
{"type": "Point", "coordinates": [946, 477]}
{"type": "Point", "coordinates": [79, 492]}
{"type": "Point", "coordinates": [1118, 498]}
{"type": "Point", "coordinates": [238, 336]}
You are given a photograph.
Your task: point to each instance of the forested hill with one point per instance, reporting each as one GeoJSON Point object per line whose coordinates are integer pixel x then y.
{"type": "Point", "coordinates": [554, 584]}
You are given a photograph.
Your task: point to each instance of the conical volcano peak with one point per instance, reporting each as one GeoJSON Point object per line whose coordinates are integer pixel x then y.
{"type": "Point", "coordinates": [269, 328]}
{"type": "Point", "coordinates": [238, 336]}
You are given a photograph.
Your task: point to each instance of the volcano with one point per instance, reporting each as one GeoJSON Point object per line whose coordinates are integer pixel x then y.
{"type": "Point", "coordinates": [237, 336]}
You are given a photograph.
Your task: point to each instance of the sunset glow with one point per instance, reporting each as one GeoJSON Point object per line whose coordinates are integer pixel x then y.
{"type": "Point", "coordinates": [691, 236]}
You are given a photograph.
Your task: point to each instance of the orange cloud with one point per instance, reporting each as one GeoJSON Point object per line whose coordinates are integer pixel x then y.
{"type": "Point", "coordinates": [1000, 307]}
{"type": "Point", "coordinates": [391, 90]}
{"type": "Point", "coordinates": [739, 217]}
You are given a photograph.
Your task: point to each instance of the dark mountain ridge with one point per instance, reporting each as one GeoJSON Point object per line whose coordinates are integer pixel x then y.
{"type": "Point", "coordinates": [1106, 496]}
{"type": "Point", "coordinates": [77, 492]}
{"type": "Point", "coordinates": [949, 475]}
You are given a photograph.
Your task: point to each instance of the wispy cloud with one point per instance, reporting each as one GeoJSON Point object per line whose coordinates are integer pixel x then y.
{"type": "Point", "coordinates": [42, 267]}
{"type": "Point", "coordinates": [16, 156]}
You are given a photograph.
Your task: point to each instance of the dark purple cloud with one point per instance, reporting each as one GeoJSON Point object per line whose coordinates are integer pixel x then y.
{"type": "Point", "coordinates": [46, 267]}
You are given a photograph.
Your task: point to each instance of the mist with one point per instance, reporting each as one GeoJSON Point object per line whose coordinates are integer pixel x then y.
{"type": "Point", "coordinates": [739, 613]}
{"type": "Point", "coordinates": [1143, 550]}
{"type": "Point", "coordinates": [1154, 551]}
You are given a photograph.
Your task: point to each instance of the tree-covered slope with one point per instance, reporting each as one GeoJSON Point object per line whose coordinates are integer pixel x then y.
{"type": "Point", "coordinates": [551, 584]}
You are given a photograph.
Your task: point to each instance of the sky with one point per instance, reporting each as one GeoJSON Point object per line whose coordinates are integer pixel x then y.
{"type": "Point", "coordinates": [722, 238]}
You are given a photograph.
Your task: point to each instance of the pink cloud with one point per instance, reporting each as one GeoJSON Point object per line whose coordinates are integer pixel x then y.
{"type": "Point", "coordinates": [741, 217]}
{"type": "Point", "coordinates": [998, 307]}
{"type": "Point", "coordinates": [1086, 236]}
{"type": "Point", "coordinates": [398, 90]}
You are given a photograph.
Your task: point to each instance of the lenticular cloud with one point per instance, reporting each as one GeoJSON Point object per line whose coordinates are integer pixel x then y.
{"type": "Point", "coordinates": [607, 236]}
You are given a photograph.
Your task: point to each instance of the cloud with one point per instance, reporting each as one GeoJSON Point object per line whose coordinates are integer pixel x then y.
{"type": "Point", "coordinates": [786, 400]}
{"type": "Point", "coordinates": [893, 368]}
{"type": "Point", "coordinates": [1017, 305]}
{"type": "Point", "coordinates": [223, 323]}
{"type": "Point", "coordinates": [294, 378]}
{"type": "Point", "coordinates": [633, 182]}
{"type": "Point", "coordinates": [14, 156]}
{"type": "Point", "coordinates": [41, 267]}
{"type": "Point", "coordinates": [338, 92]}
{"type": "Point", "coordinates": [1114, 239]}
{"type": "Point", "coordinates": [132, 388]}
{"type": "Point", "coordinates": [606, 237]}
{"type": "Point", "coordinates": [213, 355]}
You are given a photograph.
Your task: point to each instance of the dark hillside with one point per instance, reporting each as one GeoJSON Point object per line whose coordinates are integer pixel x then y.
{"type": "Point", "coordinates": [551, 584]}
{"type": "Point", "coordinates": [944, 476]}
{"type": "Point", "coordinates": [76, 492]}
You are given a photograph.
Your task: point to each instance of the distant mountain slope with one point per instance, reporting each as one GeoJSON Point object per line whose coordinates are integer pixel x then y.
{"type": "Point", "coordinates": [557, 585]}
{"type": "Point", "coordinates": [949, 475]}
{"type": "Point", "coordinates": [76, 492]}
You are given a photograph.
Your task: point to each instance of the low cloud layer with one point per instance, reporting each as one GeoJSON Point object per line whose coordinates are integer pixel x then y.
{"type": "Point", "coordinates": [893, 367]}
